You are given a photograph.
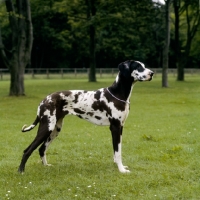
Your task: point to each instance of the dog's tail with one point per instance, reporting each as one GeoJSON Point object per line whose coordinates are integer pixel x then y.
{"type": "Point", "coordinates": [25, 128]}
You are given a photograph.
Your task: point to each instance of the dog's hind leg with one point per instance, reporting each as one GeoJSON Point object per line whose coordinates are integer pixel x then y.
{"type": "Point", "coordinates": [116, 130]}
{"type": "Point", "coordinates": [48, 141]}
{"type": "Point", "coordinates": [43, 133]}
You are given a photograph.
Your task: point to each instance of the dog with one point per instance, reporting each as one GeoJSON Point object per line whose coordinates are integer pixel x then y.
{"type": "Point", "coordinates": [106, 107]}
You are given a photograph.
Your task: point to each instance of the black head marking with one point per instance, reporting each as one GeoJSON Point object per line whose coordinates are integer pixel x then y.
{"type": "Point", "coordinates": [124, 68]}
{"type": "Point", "coordinates": [136, 65]}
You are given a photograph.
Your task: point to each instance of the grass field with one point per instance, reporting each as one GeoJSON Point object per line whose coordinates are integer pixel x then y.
{"type": "Point", "coordinates": [161, 146]}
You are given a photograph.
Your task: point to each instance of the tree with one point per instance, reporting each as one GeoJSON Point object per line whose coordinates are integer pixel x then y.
{"type": "Point", "coordinates": [18, 57]}
{"type": "Point", "coordinates": [51, 45]}
{"type": "Point", "coordinates": [190, 12]}
{"type": "Point", "coordinates": [91, 12]}
{"type": "Point", "coordinates": [166, 44]}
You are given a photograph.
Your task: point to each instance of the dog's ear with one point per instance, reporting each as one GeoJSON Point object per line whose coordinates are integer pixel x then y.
{"type": "Point", "coordinates": [124, 68]}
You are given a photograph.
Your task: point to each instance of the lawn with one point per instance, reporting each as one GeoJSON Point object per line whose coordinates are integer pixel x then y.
{"type": "Point", "coordinates": [160, 145]}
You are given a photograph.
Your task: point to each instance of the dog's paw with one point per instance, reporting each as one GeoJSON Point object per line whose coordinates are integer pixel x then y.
{"type": "Point", "coordinates": [47, 164]}
{"type": "Point", "coordinates": [21, 170]}
{"type": "Point", "coordinates": [123, 169]}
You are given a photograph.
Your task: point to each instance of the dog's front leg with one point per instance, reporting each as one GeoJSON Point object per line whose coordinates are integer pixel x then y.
{"type": "Point", "coordinates": [116, 130]}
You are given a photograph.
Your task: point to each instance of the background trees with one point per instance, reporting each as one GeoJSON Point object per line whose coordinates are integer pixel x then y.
{"type": "Point", "coordinates": [123, 30]}
{"type": "Point", "coordinates": [72, 34]}
{"type": "Point", "coordinates": [20, 44]}
{"type": "Point", "coordinates": [187, 21]}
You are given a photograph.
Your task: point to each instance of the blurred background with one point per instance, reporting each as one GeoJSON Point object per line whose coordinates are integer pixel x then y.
{"type": "Point", "coordinates": [124, 29]}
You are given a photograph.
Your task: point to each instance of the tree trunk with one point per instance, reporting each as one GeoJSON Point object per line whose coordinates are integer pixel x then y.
{"type": "Point", "coordinates": [92, 72]}
{"type": "Point", "coordinates": [166, 46]}
{"type": "Point", "coordinates": [22, 38]}
{"type": "Point", "coordinates": [180, 71]}
{"type": "Point", "coordinates": [180, 68]}
{"type": "Point", "coordinates": [17, 79]}
{"type": "Point", "coordinates": [91, 11]}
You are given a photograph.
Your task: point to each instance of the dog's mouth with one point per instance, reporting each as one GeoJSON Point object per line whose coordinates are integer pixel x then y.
{"type": "Point", "coordinates": [147, 77]}
{"type": "Point", "coordinates": [150, 78]}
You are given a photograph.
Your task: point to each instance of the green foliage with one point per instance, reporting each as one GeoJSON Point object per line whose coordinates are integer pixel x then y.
{"type": "Point", "coordinates": [164, 167]}
{"type": "Point", "coordinates": [125, 29]}
{"type": "Point", "coordinates": [5, 31]}
{"type": "Point", "coordinates": [61, 30]}
{"type": "Point", "coordinates": [3, 14]}
{"type": "Point", "coordinates": [189, 23]}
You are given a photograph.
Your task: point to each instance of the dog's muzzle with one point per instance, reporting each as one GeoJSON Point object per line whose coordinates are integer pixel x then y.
{"type": "Point", "coordinates": [151, 73]}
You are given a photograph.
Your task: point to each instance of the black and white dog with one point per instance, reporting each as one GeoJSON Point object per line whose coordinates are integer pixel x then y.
{"type": "Point", "coordinates": [106, 106]}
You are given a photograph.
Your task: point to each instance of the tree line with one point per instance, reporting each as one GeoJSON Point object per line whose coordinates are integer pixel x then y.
{"type": "Point", "coordinates": [97, 33]}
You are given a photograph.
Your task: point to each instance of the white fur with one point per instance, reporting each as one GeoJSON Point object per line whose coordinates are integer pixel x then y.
{"type": "Point", "coordinates": [118, 159]}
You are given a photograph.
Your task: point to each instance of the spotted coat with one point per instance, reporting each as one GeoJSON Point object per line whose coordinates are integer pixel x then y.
{"type": "Point", "coordinates": [106, 106]}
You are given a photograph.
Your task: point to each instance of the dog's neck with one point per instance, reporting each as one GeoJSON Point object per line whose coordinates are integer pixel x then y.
{"type": "Point", "coordinates": [122, 87]}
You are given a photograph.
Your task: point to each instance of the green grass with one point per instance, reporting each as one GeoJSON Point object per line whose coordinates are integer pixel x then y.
{"type": "Point", "coordinates": [160, 146]}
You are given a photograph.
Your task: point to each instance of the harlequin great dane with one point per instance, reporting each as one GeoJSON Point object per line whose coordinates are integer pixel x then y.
{"type": "Point", "coordinates": [106, 106]}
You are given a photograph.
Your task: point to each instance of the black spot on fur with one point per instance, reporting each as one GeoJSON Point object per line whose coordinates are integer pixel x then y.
{"type": "Point", "coordinates": [53, 103]}
{"type": "Point", "coordinates": [97, 117]}
{"type": "Point", "coordinates": [76, 98]}
{"type": "Point", "coordinates": [90, 113]}
{"type": "Point", "coordinates": [66, 93]}
{"type": "Point", "coordinates": [58, 129]}
{"type": "Point", "coordinates": [118, 104]}
{"type": "Point", "coordinates": [102, 106]}
{"type": "Point", "coordinates": [66, 112]}
{"type": "Point", "coordinates": [97, 95]}
{"type": "Point", "coordinates": [77, 110]}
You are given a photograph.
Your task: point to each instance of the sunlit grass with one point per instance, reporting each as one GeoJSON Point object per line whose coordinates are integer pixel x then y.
{"type": "Point", "coordinates": [160, 145]}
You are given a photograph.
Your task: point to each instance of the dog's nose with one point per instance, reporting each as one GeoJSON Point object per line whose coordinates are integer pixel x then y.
{"type": "Point", "coordinates": [151, 73]}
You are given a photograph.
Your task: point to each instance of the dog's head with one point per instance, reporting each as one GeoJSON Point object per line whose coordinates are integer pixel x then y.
{"type": "Point", "coordinates": [136, 70]}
